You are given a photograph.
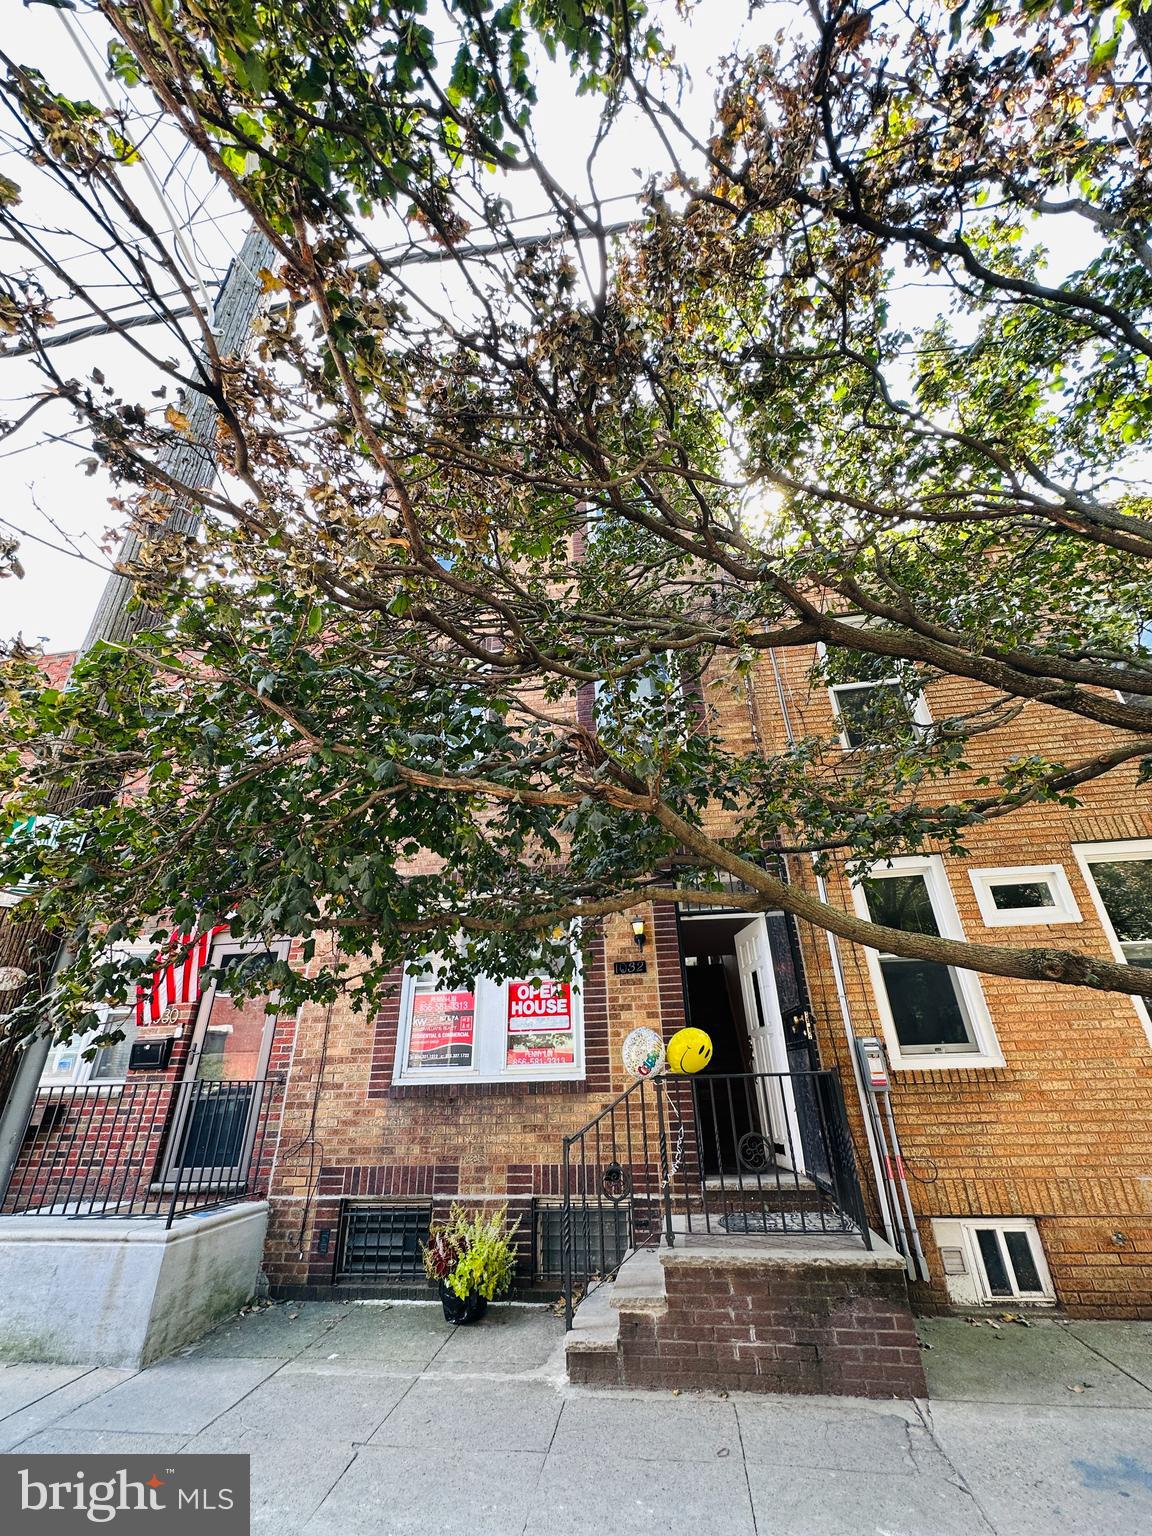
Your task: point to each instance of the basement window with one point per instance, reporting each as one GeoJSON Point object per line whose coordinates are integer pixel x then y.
{"type": "Point", "coordinates": [999, 1260]}
{"type": "Point", "coordinates": [382, 1242]}
{"type": "Point", "coordinates": [601, 1238]}
{"type": "Point", "coordinates": [1032, 894]}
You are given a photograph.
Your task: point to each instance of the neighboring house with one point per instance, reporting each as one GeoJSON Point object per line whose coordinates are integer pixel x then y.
{"type": "Point", "coordinates": [1023, 1112]}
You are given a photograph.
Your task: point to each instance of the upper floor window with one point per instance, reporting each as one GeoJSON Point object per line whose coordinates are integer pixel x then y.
{"type": "Point", "coordinates": [1143, 639]}
{"type": "Point", "coordinates": [927, 1009]}
{"type": "Point", "coordinates": [873, 700]}
{"type": "Point", "coordinates": [488, 1030]}
{"type": "Point", "coordinates": [1119, 876]}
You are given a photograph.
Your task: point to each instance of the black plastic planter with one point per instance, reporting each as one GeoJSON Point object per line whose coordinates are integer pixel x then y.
{"type": "Point", "coordinates": [469, 1309]}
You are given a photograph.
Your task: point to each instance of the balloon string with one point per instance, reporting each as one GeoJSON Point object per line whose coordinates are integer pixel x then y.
{"type": "Point", "coordinates": [678, 1155]}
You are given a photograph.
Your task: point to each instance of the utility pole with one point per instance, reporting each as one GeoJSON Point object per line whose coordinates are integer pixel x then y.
{"type": "Point", "coordinates": [26, 946]}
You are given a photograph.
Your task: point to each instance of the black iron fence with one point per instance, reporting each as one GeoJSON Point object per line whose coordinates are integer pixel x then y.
{"type": "Point", "coordinates": [748, 1154]}
{"type": "Point", "coordinates": [147, 1148]}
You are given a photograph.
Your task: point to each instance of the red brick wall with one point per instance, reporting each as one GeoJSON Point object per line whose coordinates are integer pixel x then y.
{"type": "Point", "coordinates": [799, 1328]}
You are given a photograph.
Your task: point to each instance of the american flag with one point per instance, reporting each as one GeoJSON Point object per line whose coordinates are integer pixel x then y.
{"type": "Point", "coordinates": [179, 980]}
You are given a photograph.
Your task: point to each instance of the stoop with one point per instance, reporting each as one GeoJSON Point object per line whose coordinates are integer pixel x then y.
{"type": "Point", "coordinates": [752, 1314]}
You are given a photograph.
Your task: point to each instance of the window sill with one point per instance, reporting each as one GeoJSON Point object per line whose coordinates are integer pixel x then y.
{"type": "Point", "coordinates": [500, 1081]}
{"type": "Point", "coordinates": [946, 1061]}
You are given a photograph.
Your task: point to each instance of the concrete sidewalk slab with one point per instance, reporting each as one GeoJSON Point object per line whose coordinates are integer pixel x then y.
{"type": "Point", "coordinates": [1076, 1472]}
{"type": "Point", "coordinates": [1126, 1345]}
{"type": "Point", "coordinates": [406, 1336]}
{"type": "Point", "coordinates": [24, 1384]}
{"type": "Point", "coordinates": [806, 1501]}
{"type": "Point", "coordinates": [676, 1497]}
{"type": "Point", "coordinates": [278, 1332]}
{"type": "Point", "coordinates": [1043, 1363]}
{"type": "Point", "coordinates": [346, 1406]}
{"type": "Point", "coordinates": [498, 1415]}
{"type": "Point", "coordinates": [512, 1339]}
{"type": "Point", "coordinates": [835, 1439]}
{"type": "Point", "coordinates": [177, 1395]}
{"type": "Point", "coordinates": [288, 1483]}
{"type": "Point", "coordinates": [55, 1402]}
{"type": "Point", "coordinates": [624, 1429]}
{"type": "Point", "coordinates": [446, 1492]}
{"type": "Point", "coordinates": [103, 1442]}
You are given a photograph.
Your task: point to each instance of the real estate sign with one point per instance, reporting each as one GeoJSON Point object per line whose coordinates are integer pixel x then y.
{"type": "Point", "coordinates": [540, 1030]}
{"type": "Point", "coordinates": [443, 1025]}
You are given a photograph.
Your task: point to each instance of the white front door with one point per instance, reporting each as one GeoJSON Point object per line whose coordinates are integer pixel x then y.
{"type": "Point", "coordinates": [769, 1050]}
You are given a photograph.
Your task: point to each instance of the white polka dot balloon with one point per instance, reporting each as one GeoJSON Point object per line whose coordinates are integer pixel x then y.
{"type": "Point", "coordinates": [643, 1053]}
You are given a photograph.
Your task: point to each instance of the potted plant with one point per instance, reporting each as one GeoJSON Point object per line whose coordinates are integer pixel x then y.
{"type": "Point", "coordinates": [472, 1259]}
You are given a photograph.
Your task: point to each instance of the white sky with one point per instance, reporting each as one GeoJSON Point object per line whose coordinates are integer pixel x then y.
{"type": "Point", "coordinates": [44, 491]}
{"type": "Point", "coordinates": [42, 485]}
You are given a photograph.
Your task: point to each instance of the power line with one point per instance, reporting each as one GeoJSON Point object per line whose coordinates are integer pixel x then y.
{"type": "Point", "coordinates": [420, 256]}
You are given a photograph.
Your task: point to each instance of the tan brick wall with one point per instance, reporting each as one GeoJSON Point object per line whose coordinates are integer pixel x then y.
{"type": "Point", "coordinates": [1063, 1132]}
{"type": "Point", "coordinates": [1060, 1133]}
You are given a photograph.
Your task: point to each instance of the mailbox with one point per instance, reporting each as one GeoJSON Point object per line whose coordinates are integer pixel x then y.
{"type": "Point", "coordinates": [150, 1055]}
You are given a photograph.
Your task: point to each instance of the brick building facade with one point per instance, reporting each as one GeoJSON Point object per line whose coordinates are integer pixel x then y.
{"type": "Point", "coordinates": [1023, 1112]}
{"type": "Point", "coordinates": [1044, 1129]}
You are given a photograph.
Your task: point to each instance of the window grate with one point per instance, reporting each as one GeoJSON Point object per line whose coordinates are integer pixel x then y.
{"type": "Point", "coordinates": [382, 1242]}
{"type": "Point", "coordinates": [601, 1239]}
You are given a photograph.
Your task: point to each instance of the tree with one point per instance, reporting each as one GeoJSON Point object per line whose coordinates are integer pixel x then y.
{"type": "Point", "coordinates": [595, 454]}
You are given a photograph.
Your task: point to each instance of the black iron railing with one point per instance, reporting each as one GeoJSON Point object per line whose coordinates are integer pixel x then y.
{"type": "Point", "coordinates": [749, 1154]}
{"type": "Point", "coordinates": [146, 1148]}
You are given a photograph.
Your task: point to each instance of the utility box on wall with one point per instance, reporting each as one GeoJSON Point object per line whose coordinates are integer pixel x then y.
{"type": "Point", "coordinates": [150, 1055]}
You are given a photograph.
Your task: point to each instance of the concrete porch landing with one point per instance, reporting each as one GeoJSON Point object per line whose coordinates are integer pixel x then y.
{"type": "Point", "coordinates": [799, 1314]}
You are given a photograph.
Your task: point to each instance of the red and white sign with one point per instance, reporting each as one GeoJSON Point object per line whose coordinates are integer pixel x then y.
{"type": "Point", "coordinates": [443, 1024]}
{"type": "Point", "coordinates": [540, 1030]}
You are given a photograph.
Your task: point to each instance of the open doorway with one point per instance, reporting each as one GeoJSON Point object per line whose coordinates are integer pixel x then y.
{"type": "Point", "coordinates": [743, 985]}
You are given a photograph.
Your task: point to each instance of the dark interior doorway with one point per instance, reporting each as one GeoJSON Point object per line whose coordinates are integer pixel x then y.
{"type": "Point", "coordinates": [727, 1112]}
{"type": "Point", "coordinates": [734, 1133]}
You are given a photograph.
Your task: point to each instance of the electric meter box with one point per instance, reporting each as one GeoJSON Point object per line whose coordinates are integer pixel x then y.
{"type": "Point", "coordinates": [874, 1062]}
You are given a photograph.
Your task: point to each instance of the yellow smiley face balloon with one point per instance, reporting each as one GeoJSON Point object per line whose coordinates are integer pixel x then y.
{"type": "Point", "coordinates": [689, 1050]}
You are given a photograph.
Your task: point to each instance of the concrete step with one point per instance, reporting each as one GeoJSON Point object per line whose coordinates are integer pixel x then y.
{"type": "Point", "coordinates": [595, 1331]}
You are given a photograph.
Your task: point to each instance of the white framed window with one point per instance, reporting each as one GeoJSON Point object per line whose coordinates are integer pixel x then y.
{"type": "Point", "coordinates": [1142, 638]}
{"type": "Point", "coordinates": [489, 1031]}
{"type": "Point", "coordinates": [1027, 894]}
{"type": "Point", "coordinates": [1119, 878]}
{"type": "Point", "coordinates": [933, 1015]}
{"type": "Point", "coordinates": [994, 1260]}
{"type": "Point", "coordinates": [620, 703]}
{"type": "Point", "coordinates": [872, 703]}
{"type": "Point", "coordinates": [67, 1064]}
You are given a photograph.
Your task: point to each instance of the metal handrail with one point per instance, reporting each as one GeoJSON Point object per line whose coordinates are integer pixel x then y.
{"type": "Point", "coordinates": [754, 1153]}
{"type": "Point", "coordinates": [155, 1148]}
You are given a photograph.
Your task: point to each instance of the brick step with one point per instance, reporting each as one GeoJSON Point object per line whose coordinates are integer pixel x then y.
{"type": "Point", "coordinates": [800, 1315]}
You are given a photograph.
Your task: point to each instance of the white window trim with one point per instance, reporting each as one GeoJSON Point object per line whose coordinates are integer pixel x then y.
{"type": "Point", "coordinates": [1065, 909]}
{"type": "Point", "coordinates": [1087, 854]}
{"type": "Point", "coordinates": [488, 1047]}
{"type": "Point", "coordinates": [987, 1052]}
{"type": "Point", "coordinates": [81, 1074]}
{"type": "Point", "coordinates": [917, 704]}
{"type": "Point", "coordinates": [960, 1232]}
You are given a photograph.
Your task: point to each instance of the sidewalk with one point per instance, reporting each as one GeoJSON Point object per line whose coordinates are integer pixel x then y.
{"type": "Point", "coordinates": [365, 1418]}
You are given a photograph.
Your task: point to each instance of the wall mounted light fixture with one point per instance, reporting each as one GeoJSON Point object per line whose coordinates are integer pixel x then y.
{"type": "Point", "coordinates": [638, 932]}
